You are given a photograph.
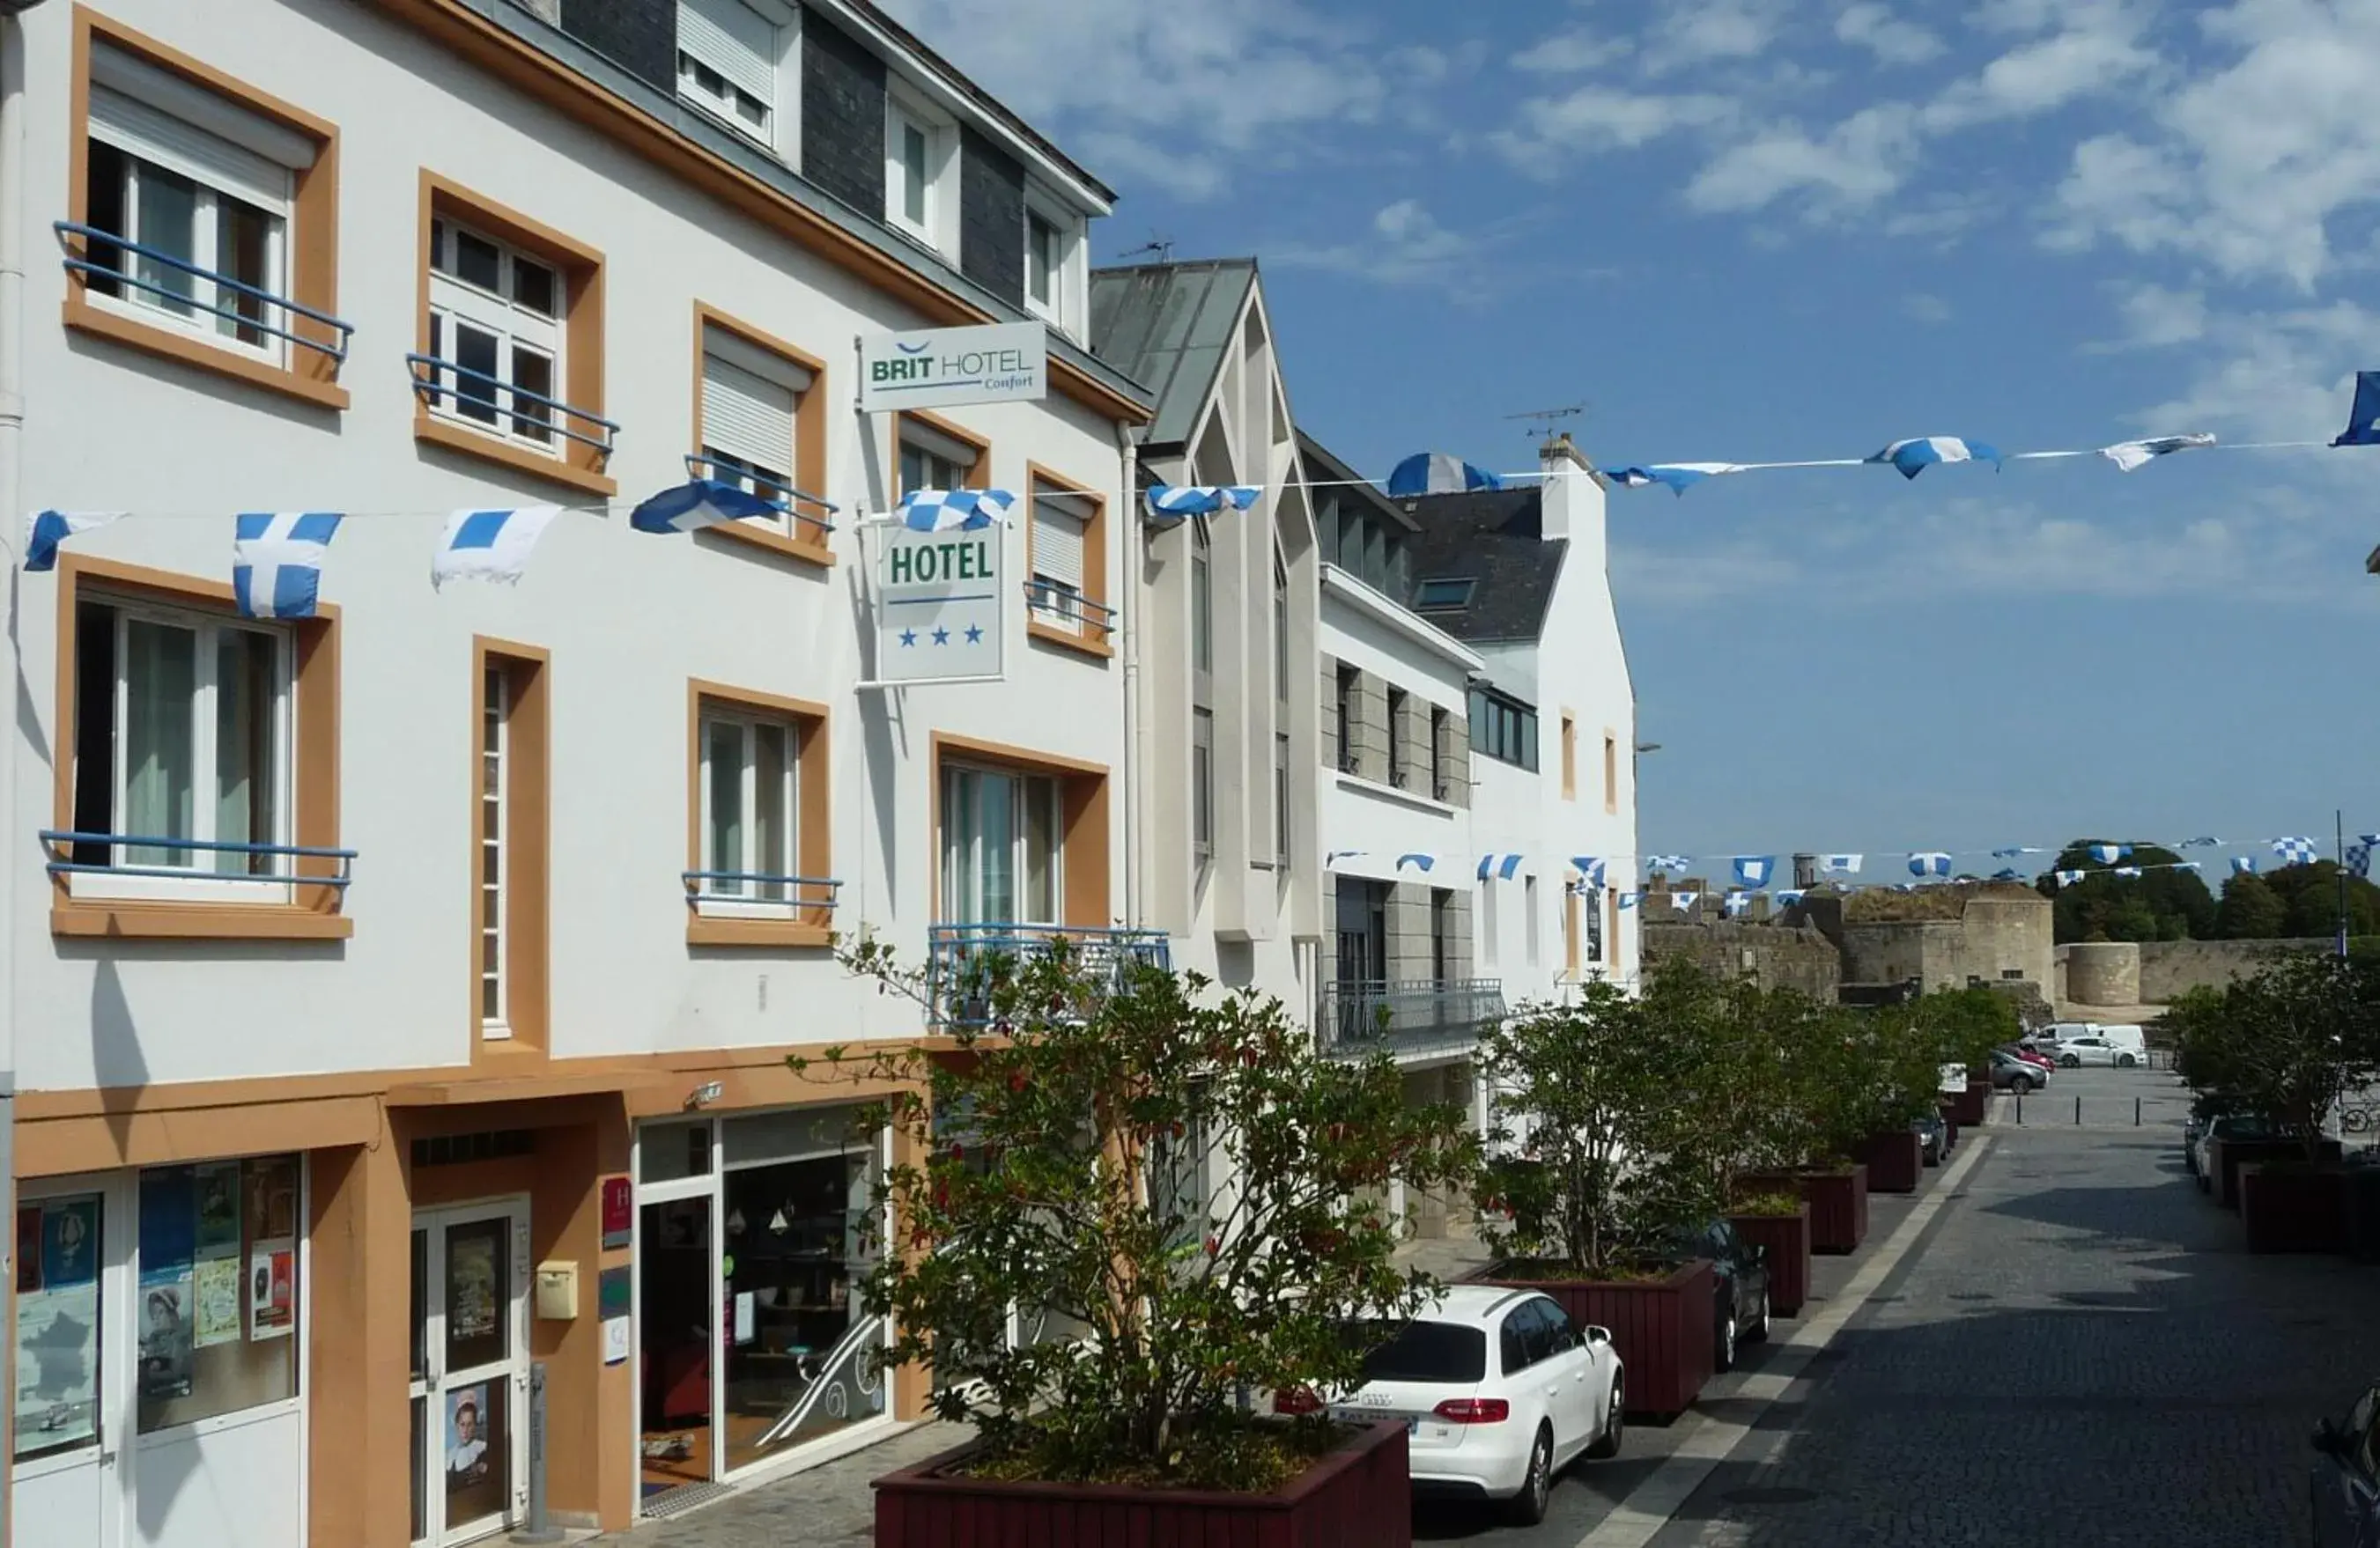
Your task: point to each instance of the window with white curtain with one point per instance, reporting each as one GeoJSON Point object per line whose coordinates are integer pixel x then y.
{"type": "Point", "coordinates": [750, 814]}
{"type": "Point", "coordinates": [916, 158]}
{"type": "Point", "coordinates": [930, 460]}
{"type": "Point", "coordinates": [182, 731]}
{"type": "Point", "coordinates": [496, 319]}
{"type": "Point", "coordinates": [751, 397]}
{"type": "Point", "coordinates": [195, 177]}
{"type": "Point", "coordinates": [728, 56]}
{"type": "Point", "coordinates": [1062, 519]}
{"type": "Point", "coordinates": [1003, 847]}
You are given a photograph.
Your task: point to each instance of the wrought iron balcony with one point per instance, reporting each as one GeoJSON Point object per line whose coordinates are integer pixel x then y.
{"type": "Point", "coordinates": [534, 416]}
{"type": "Point", "coordinates": [1361, 1016]}
{"type": "Point", "coordinates": [962, 957]}
{"type": "Point", "coordinates": [761, 888]}
{"type": "Point", "coordinates": [1069, 610]}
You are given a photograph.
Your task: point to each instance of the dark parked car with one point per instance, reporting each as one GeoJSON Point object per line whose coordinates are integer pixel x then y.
{"type": "Point", "coordinates": [2012, 1073]}
{"type": "Point", "coordinates": [1738, 1288]}
{"type": "Point", "coordinates": [2347, 1478]}
{"type": "Point", "coordinates": [2192, 1127]}
{"type": "Point", "coordinates": [1933, 1141]}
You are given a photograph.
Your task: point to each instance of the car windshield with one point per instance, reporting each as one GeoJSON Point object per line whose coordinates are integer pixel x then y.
{"type": "Point", "coordinates": [1424, 1351]}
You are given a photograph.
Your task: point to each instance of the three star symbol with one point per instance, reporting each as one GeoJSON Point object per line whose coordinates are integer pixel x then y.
{"type": "Point", "coordinates": [908, 638]}
{"type": "Point", "coordinates": [941, 636]}
{"type": "Point", "coordinates": [975, 634]}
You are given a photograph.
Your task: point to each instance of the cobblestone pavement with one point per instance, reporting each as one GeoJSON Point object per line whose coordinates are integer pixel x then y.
{"type": "Point", "coordinates": [2083, 1353]}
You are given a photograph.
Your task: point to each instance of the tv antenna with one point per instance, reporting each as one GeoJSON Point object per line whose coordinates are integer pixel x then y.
{"type": "Point", "coordinates": [1161, 246]}
{"type": "Point", "coordinates": [1542, 422]}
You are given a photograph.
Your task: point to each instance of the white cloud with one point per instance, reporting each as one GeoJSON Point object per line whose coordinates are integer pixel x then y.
{"type": "Point", "coordinates": [1406, 246]}
{"type": "Point", "coordinates": [2156, 317]}
{"type": "Point", "coordinates": [1860, 160]}
{"type": "Point", "coordinates": [2096, 52]}
{"type": "Point", "coordinates": [1553, 131]}
{"type": "Point", "coordinates": [1569, 52]}
{"type": "Point", "coordinates": [1893, 40]}
{"type": "Point", "coordinates": [1919, 306]}
{"type": "Point", "coordinates": [1706, 31]}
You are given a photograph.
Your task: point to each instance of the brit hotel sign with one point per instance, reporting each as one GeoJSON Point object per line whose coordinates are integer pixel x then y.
{"type": "Point", "coordinates": [943, 368]}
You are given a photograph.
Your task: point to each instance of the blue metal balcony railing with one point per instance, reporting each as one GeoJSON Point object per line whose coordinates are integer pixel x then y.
{"type": "Point", "coordinates": [93, 270]}
{"type": "Point", "coordinates": [64, 842]}
{"type": "Point", "coordinates": [1072, 606]}
{"type": "Point", "coordinates": [960, 958]}
{"type": "Point", "coordinates": [784, 495]}
{"type": "Point", "coordinates": [1360, 1017]}
{"type": "Point", "coordinates": [433, 387]}
{"type": "Point", "coordinates": [759, 887]}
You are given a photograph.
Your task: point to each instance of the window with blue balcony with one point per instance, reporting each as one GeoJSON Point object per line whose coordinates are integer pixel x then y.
{"type": "Point", "coordinates": [760, 874]}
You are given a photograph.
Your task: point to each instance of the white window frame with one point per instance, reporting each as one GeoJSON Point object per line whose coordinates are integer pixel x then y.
{"type": "Point", "coordinates": [496, 693]}
{"type": "Point", "coordinates": [946, 461]}
{"type": "Point", "coordinates": [781, 134]}
{"type": "Point", "coordinates": [455, 302]}
{"type": "Point", "coordinates": [963, 873]}
{"type": "Point", "coordinates": [1065, 505]}
{"type": "Point", "coordinates": [1063, 309]}
{"type": "Point", "coordinates": [145, 132]}
{"type": "Point", "coordinates": [203, 884]}
{"type": "Point", "coordinates": [750, 902]}
{"type": "Point", "coordinates": [904, 108]}
{"type": "Point", "coordinates": [733, 461]}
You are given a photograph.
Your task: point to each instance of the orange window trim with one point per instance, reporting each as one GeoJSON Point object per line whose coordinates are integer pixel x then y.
{"type": "Point", "coordinates": [314, 912]}
{"type": "Point", "coordinates": [814, 819]}
{"type": "Point", "coordinates": [809, 470]}
{"type": "Point", "coordinates": [979, 476]}
{"type": "Point", "coordinates": [1569, 756]}
{"type": "Point", "coordinates": [529, 839]}
{"type": "Point", "coordinates": [578, 467]}
{"type": "Point", "coordinates": [308, 375]}
{"type": "Point", "coordinates": [1082, 818]}
{"type": "Point", "coordinates": [1092, 638]}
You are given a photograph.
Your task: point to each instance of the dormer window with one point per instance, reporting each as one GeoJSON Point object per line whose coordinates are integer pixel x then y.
{"type": "Point", "coordinates": [730, 64]}
{"type": "Point", "coordinates": [921, 159]}
{"type": "Point", "coordinates": [1052, 250]}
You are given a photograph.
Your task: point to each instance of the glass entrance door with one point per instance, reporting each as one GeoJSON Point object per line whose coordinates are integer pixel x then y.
{"type": "Point", "coordinates": [470, 1371]}
{"type": "Point", "coordinates": [677, 1343]}
{"type": "Point", "coordinates": [73, 1369]}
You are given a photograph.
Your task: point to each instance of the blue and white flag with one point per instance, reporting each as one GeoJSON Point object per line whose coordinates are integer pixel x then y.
{"type": "Point", "coordinates": [489, 545]}
{"type": "Point", "coordinates": [1336, 855]}
{"type": "Point", "coordinates": [2294, 852]}
{"type": "Point", "coordinates": [44, 530]}
{"type": "Point", "coordinates": [1735, 904]}
{"type": "Point", "coordinates": [1199, 500]}
{"type": "Point", "coordinates": [954, 510]}
{"type": "Point", "coordinates": [277, 562]}
{"type": "Point", "coordinates": [1668, 862]}
{"type": "Point", "coordinates": [1788, 897]}
{"type": "Point", "coordinates": [1673, 476]}
{"type": "Point", "coordinates": [2359, 857]}
{"type": "Point", "coordinates": [2362, 428]}
{"type": "Point", "coordinates": [1685, 902]}
{"type": "Point", "coordinates": [2128, 870]}
{"type": "Point", "coordinates": [2107, 854]}
{"type": "Point", "coordinates": [2013, 850]}
{"type": "Point", "coordinates": [1418, 861]}
{"type": "Point", "coordinates": [1929, 863]}
{"type": "Point", "coordinates": [1915, 456]}
{"type": "Point", "coordinates": [2244, 865]}
{"type": "Point", "coordinates": [1506, 867]}
{"type": "Point", "coordinates": [1438, 473]}
{"type": "Point", "coordinates": [2129, 455]}
{"type": "Point", "coordinates": [2199, 843]}
{"type": "Point", "coordinates": [697, 504]}
{"type": "Point", "coordinates": [2067, 878]}
{"type": "Point", "coordinates": [1629, 899]}
{"type": "Point", "coordinates": [1839, 865]}
{"type": "Point", "coordinates": [1590, 869]}
{"type": "Point", "coordinates": [1752, 870]}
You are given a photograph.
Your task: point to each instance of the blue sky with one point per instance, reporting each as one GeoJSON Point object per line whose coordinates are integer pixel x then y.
{"type": "Point", "coordinates": [1742, 231]}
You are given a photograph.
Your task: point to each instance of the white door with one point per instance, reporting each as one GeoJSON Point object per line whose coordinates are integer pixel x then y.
{"type": "Point", "coordinates": [470, 1371]}
{"type": "Point", "coordinates": [74, 1362]}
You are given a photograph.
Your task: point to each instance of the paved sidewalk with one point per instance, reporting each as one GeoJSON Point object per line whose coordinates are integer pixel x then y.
{"type": "Point", "coordinates": [830, 1506]}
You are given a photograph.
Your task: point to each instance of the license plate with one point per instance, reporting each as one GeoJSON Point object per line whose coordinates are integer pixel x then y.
{"type": "Point", "coordinates": [1375, 1416]}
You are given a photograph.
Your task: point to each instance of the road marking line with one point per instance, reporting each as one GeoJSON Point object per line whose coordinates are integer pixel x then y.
{"type": "Point", "coordinates": [1651, 1503]}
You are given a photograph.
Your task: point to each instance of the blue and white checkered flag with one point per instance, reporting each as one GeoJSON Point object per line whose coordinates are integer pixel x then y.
{"type": "Point", "coordinates": [1418, 861]}
{"type": "Point", "coordinates": [2244, 865]}
{"type": "Point", "coordinates": [489, 545]}
{"type": "Point", "coordinates": [1790, 896]}
{"type": "Point", "coordinates": [2067, 878]}
{"type": "Point", "coordinates": [1438, 473]}
{"type": "Point", "coordinates": [2128, 870]}
{"type": "Point", "coordinates": [1929, 863]}
{"type": "Point", "coordinates": [1685, 902]}
{"type": "Point", "coordinates": [1629, 899]}
{"type": "Point", "coordinates": [2107, 854]}
{"type": "Point", "coordinates": [1199, 500]}
{"type": "Point", "coordinates": [2199, 843]}
{"type": "Point", "coordinates": [954, 510]}
{"type": "Point", "coordinates": [1505, 866]}
{"type": "Point", "coordinates": [1590, 869]}
{"type": "Point", "coordinates": [1752, 870]}
{"type": "Point", "coordinates": [2294, 852]}
{"type": "Point", "coordinates": [1668, 862]}
{"type": "Point", "coordinates": [276, 565]}
{"type": "Point", "coordinates": [2359, 857]}
{"type": "Point", "coordinates": [697, 504]}
{"type": "Point", "coordinates": [1839, 865]}
{"type": "Point", "coordinates": [1916, 455]}
{"type": "Point", "coordinates": [44, 530]}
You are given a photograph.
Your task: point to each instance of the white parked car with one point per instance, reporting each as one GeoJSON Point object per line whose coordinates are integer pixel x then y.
{"type": "Point", "coordinates": [2095, 1048]}
{"type": "Point", "coordinates": [1499, 1389]}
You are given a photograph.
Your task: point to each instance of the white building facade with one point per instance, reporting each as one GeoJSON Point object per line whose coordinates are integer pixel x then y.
{"type": "Point", "coordinates": [402, 992]}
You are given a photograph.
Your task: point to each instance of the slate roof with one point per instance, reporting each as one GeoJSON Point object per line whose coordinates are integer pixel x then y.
{"type": "Point", "coordinates": [1325, 467]}
{"type": "Point", "coordinates": [1491, 536]}
{"type": "Point", "coordinates": [1167, 326]}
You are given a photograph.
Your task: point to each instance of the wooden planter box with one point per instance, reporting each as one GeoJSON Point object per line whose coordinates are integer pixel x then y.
{"type": "Point", "coordinates": [2288, 1208]}
{"type": "Point", "coordinates": [1968, 1107]}
{"type": "Point", "coordinates": [1895, 1162]}
{"type": "Point", "coordinates": [1664, 1329]}
{"type": "Point", "coordinates": [1786, 1237]}
{"type": "Point", "coordinates": [2224, 1157]}
{"type": "Point", "coordinates": [1360, 1493]}
{"type": "Point", "coordinates": [1838, 1204]}
{"type": "Point", "coordinates": [2361, 1198]}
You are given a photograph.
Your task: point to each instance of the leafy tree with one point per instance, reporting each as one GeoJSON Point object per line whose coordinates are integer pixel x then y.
{"type": "Point", "coordinates": [1046, 1164]}
{"type": "Point", "coordinates": [2157, 904]}
{"type": "Point", "coordinates": [2250, 909]}
{"type": "Point", "coordinates": [2309, 895]}
{"type": "Point", "coordinates": [2284, 1043]}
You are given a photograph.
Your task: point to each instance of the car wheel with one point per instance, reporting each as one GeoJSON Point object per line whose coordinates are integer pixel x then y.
{"type": "Point", "coordinates": [1528, 1507]}
{"type": "Point", "coordinates": [1615, 1426]}
{"type": "Point", "coordinates": [1723, 1354]}
{"type": "Point", "coordinates": [1760, 1328]}
{"type": "Point", "coordinates": [2073, 1061]}
{"type": "Point", "coordinates": [2125, 1062]}
{"type": "Point", "coordinates": [2025, 1083]}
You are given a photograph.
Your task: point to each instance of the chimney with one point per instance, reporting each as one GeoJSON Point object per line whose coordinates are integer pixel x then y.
{"type": "Point", "coordinates": [1574, 497]}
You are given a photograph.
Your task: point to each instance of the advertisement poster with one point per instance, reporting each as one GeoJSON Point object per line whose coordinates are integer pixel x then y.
{"type": "Point", "coordinates": [165, 1314]}
{"type": "Point", "coordinates": [29, 1248]}
{"type": "Point", "coordinates": [470, 1286]}
{"type": "Point", "coordinates": [271, 1284]}
{"type": "Point", "coordinates": [215, 1289]}
{"type": "Point", "coordinates": [272, 1206]}
{"type": "Point", "coordinates": [218, 1194]}
{"type": "Point", "coordinates": [477, 1478]}
{"type": "Point", "coordinates": [69, 1243]}
{"type": "Point", "coordinates": [57, 1360]}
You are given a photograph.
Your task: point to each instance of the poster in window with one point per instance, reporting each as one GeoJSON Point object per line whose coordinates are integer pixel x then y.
{"type": "Point", "coordinates": [165, 1332]}
{"type": "Point", "coordinates": [214, 1290]}
{"type": "Point", "coordinates": [476, 1478]}
{"type": "Point", "coordinates": [218, 1196]}
{"type": "Point", "coordinates": [29, 1248]}
{"type": "Point", "coordinates": [70, 1243]}
{"type": "Point", "coordinates": [58, 1366]}
{"type": "Point", "coordinates": [272, 1290]}
{"type": "Point", "coordinates": [470, 1284]}
{"type": "Point", "coordinates": [273, 1196]}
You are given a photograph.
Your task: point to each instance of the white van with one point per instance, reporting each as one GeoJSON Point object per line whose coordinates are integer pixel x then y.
{"type": "Point", "coordinates": [2128, 1039]}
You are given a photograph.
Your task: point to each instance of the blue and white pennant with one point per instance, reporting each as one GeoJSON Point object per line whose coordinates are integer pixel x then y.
{"type": "Point", "coordinates": [276, 569]}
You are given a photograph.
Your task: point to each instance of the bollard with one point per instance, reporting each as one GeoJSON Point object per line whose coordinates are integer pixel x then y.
{"type": "Point", "coordinates": [2136, 1112]}
{"type": "Point", "coordinates": [2019, 1107]}
{"type": "Point", "coordinates": [538, 1530]}
{"type": "Point", "coordinates": [2078, 1110]}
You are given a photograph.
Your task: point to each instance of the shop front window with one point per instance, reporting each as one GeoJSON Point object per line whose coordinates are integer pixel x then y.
{"type": "Point", "coordinates": [218, 1290]}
